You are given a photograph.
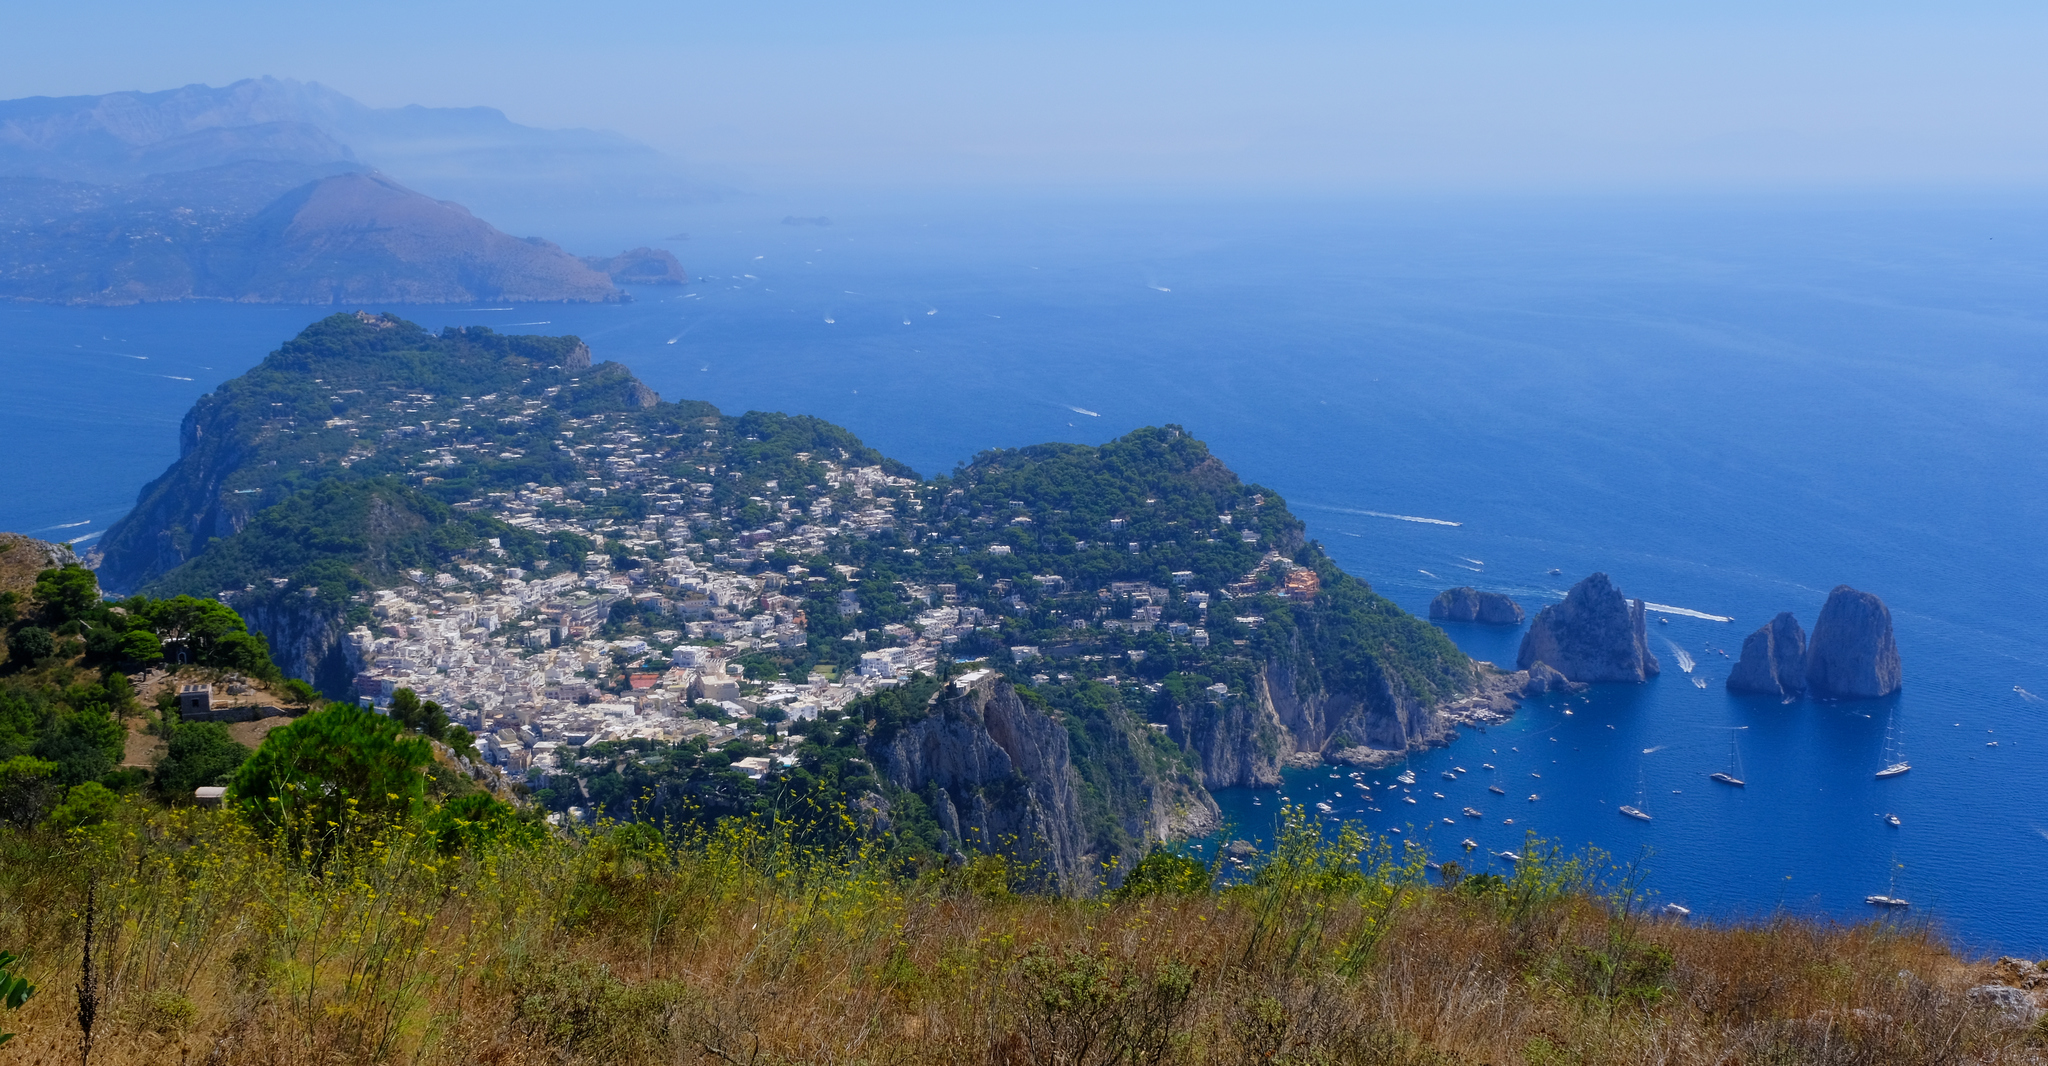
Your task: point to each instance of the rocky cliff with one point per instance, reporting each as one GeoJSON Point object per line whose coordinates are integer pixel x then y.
{"type": "Point", "coordinates": [1773, 659]}
{"type": "Point", "coordinates": [23, 557]}
{"type": "Point", "coordinates": [1596, 634]}
{"type": "Point", "coordinates": [1852, 655]}
{"type": "Point", "coordinates": [1467, 604]}
{"type": "Point", "coordinates": [996, 773]}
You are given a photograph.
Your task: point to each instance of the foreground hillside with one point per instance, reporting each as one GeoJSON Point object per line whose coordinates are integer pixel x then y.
{"type": "Point", "coordinates": [750, 944]}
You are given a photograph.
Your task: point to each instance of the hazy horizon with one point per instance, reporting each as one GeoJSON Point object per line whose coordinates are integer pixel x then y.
{"type": "Point", "coordinates": [1308, 98]}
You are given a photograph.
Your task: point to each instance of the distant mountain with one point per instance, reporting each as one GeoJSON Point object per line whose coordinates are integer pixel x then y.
{"type": "Point", "coordinates": [231, 233]}
{"type": "Point", "coordinates": [286, 192]}
{"type": "Point", "coordinates": [523, 177]}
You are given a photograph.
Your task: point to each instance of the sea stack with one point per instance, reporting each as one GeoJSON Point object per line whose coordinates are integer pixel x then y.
{"type": "Point", "coordinates": [1773, 660]}
{"type": "Point", "coordinates": [1852, 656]}
{"type": "Point", "coordinates": [1467, 604]}
{"type": "Point", "coordinates": [1596, 634]}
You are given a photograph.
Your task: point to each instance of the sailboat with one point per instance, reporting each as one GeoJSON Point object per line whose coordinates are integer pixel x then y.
{"type": "Point", "coordinates": [1732, 775]}
{"type": "Point", "coordinates": [1894, 754]}
{"type": "Point", "coordinates": [1891, 897]}
{"type": "Point", "coordinates": [1637, 811]}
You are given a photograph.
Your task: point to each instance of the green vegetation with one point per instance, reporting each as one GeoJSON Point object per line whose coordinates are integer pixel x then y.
{"type": "Point", "coordinates": [454, 935]}
{"type": "Point", "coordinates": [14, 988]}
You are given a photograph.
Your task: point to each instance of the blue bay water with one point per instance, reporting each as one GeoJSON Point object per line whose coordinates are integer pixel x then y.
{"type": "Point", "coordinates": [1729, 407]}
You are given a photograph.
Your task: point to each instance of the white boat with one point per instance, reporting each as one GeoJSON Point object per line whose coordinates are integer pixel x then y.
{"type": "Point", "coordinates": [1449, 776]}
{"type": "Point", "coordinates": [1407, 799]}
{"type": "Point", "coordinates": [1323, 807]}
{"type": "Point", "coordinates": [1468, 844]}
{"type": "Point", "coordinates": [1732, 775]}
{"type": "Point", "coordinates": [1636, 811]}
{"type": "Point", "coordinates": [1406, 777]}
{"type": "Point", "coordinates": [1677, 911]}
{"type": "Point", "coordinates": [1473, 813]}
{"type": "Point", "coordinates": [1510, 856]}
{"type": "Point", "coordinates": [1438, 795]}
{"type": "Point", "coordinates": [1448, 821]}
{"type": "Point", "coordinates": [1533, 797]}
{"type": "Point", "coordinates": [1892, 820]}
{"type": "Point", "coordinates": [1890, 897]}
{"type": "Point", "coordinates": [1486, 766]}
{"type": "Point", "coordinates": [1894, 753]}
{"type": "Point", "coordinates": [1497, 790]}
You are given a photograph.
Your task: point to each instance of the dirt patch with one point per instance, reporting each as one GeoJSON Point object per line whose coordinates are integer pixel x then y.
{"type": "Point", "coordinates": [141, 749]}
{"type": "Point", "coordinates": [251, 734]}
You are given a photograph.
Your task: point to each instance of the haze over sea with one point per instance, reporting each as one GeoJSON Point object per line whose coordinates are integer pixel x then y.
{"type": "Point", "coordinates": [1728, 406]}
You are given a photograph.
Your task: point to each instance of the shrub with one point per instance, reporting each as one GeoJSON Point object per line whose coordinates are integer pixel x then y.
{"type": "Point", "coordinates": [330, 773]}
{"type": "Point", "coordinates": [30, 645]}
{"type": "Point", "coordinates": [85, 744]}
{"type": "Point", "coordinates": [88, 804]}
{"type": "Point", "coordinates": [198, 754]}
{"type": "Point", "coordinates": [477, 821]}
{"type": "Point", "coordinates": [28, 786]}
{"type": "Point", "coordinates": [1164, 873]}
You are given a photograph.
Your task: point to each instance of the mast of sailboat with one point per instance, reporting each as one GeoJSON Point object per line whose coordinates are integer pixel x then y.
{"type": "Point", "coordinates": [1732, 775]}
{"type": "Point", "coordinates": [1894, 754]}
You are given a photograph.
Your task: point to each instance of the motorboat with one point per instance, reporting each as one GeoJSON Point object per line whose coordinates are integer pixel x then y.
{"type": "Point", "coordinates": [1473, 813]}
{"type": "Point", "coordinates": [1497, 790]}
{"type": "Point", "coordinates": [1633, 812]}
{"type": "Point", "coordinates": [1677, 911]}
{"type": "Point", "coordinates": [1468, 844]}
{"type": "Point", "coordinates": [1892, 820]}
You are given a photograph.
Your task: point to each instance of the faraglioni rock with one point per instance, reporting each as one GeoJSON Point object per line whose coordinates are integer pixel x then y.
{"type": "Point", "coordinates": [1467, 604]}
{"type": "Point", "coordinates": [1852, 655]}
{"type": "Point", "coordinates": [1596, 634]}
{"type": "Point", "coordinates": [1773, 659]}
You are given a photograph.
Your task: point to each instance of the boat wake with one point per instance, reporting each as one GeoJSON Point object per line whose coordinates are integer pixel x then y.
{"type": "Point", "coordinates": [1420, 571]}
{"type": "Point", "coordinates": [1685, 660]}
{"type": "Point", "coordinates": [1382, 514]}
{"type": "Point", "coordinates": [2028, 696]}
{"type": "Point", "coordinates": [1667, 609]}
{"type": "Point", "coordinates": [1082, 411]}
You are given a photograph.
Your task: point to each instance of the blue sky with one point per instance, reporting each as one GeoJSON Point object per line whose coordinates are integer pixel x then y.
{"type": "Point", "coordinates": [1308, 96]}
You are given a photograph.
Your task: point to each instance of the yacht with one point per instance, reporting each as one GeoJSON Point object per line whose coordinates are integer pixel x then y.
{"type": "Point", "coordinates": [1449, 776]}
{"type": "Point", "coordinates": [1677, 911]}
{"type": "Point", "coordinates": [1323, 807]}
{"type": "Point", "coordinates": [1407, 799]}
{"type": "Point", "coordinates": [1406, 777]}
{"type": "Point", "coordinates": [1486, 766]}
{"type": "Point", "coordinates": [1892, 820]}
{"type": "Point", "coordinates": [1732, 775]}
{"type": "Point", "coordinates": [1468, 844]}
{"type": "Point", "coordinates": [1497, 790]}
{"type": "Point", "coordinates": [1894, 755]}
{"type": "Point", "coordinates": [1890, 897]}
{"type": "Point", "coordinates": [1448, 821]}
{"type": "Point", "coordinates": [1533, 797]}
{"type": "Point", "coordinates": [1473, 813]}
{"type": "Point", "coordinates": [1510, 856]}
{"type": "Point", "coordinates": [1636, 810]}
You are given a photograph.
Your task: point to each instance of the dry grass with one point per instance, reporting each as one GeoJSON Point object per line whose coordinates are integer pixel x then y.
{"type": "Point", "coordinates": [741, 946]}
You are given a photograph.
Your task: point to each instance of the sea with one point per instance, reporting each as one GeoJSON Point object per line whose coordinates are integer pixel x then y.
{"type": "Point", "coordinates": [1728, 404]}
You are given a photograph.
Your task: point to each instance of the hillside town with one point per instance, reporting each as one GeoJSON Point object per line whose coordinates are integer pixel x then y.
{"type": "Point", "coordinates": [515, 655]}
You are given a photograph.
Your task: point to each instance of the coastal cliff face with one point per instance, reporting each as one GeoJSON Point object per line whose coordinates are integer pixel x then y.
{"type": "Point", "coordinates": [305, 638]}
{"type": "Point", "coordinates": [1596, 634]}
{"type": "Point", "coordinates": [1852, 655]}
{"type": "Point", "coordinates": [997, 775]}
{"type": "Point", "coordinates": [1467, 604]}
{"type": "Point", "coordinates": [1773, 659]}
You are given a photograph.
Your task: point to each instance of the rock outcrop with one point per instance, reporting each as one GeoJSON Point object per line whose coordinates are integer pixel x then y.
{"type": "Point", "coordinates": [22, 558]}
{"type": "Point", "coordinates": [1852, 655]}
{"type": "Point", "coordinates": [1596, 634]}
{"type": "Point", "coordinates": [1543, 678]}
{"type": "Point", "coordinates": [996, 773]}
{"type": "Point", "coordinates": [1467, 604]}
{"type": "Point", "coordinates": [640, 266]}
{"type": "Point", "coordinates": [1773, 659]}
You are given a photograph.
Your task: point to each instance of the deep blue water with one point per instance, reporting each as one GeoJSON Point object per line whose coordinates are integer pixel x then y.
{"type": "Point", "coordinates": [1730, 407]}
